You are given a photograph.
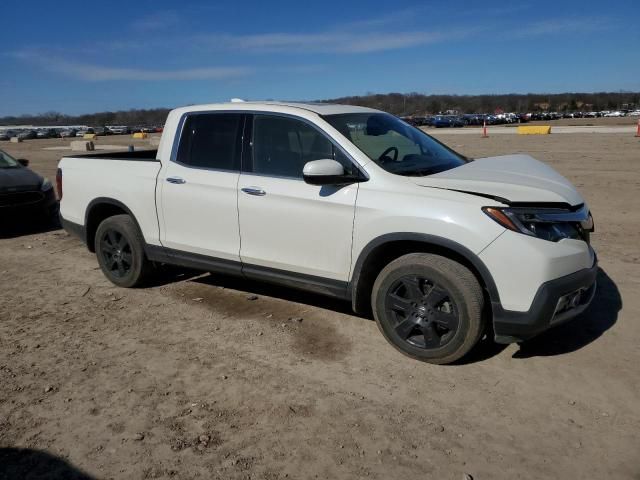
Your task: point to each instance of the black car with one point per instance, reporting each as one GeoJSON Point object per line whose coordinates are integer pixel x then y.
{"type": "Point", "coordinates": [27, 135]}
{"type": "Point", "coordinates": [102, 131]}
{"type": "Point", "coordinates": [46, 133]}
{"type": "Point", "coordinates": [440, 121]}
{"type": "Point", "coordinates": [473, 119]}
{"type": "Point", "coordinates": [24, 192]}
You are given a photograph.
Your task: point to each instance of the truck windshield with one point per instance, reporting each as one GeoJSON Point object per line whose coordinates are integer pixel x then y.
{"type": "Point", "coordinates": [395, 145]}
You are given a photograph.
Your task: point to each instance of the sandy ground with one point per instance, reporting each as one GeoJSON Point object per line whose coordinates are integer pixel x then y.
{"type": "Point", "coordinates": [191, 378]}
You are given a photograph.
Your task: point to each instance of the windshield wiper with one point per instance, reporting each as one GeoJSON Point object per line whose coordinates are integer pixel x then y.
{"type": "Point", "coordinates": [423, 172]}
{"type": "Point", "coordinates": [416, 173]}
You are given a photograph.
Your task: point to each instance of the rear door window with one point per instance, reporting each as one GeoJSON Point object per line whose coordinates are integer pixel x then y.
{"type": "Point", "coordinates": [211, 141]}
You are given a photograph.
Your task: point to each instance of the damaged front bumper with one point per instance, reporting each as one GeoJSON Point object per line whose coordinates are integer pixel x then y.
{"type": "Point", "coordinates": [555, 302]}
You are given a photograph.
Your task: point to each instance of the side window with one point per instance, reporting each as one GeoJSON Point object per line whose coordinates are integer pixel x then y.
{"type": "Point", "coordinates": [282, 146]}
{"type": "Point", "coordinates": [211, 140]}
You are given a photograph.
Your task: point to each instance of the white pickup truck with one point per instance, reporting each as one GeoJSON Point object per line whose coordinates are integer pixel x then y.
{"type": "Point", "coordinates": [349, 202]}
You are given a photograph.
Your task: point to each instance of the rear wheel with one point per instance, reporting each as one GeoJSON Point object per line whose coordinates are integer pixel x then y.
{"type": "Point", "coordinates": [120, 250]}
{"type": "Point", "coordinates": [429, 307]}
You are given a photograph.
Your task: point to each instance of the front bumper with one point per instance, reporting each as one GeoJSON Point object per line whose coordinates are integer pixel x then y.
{"type": "Point", "coordinates": [555, 302]}
{"type": "Point", "coordinates": [20, 204]}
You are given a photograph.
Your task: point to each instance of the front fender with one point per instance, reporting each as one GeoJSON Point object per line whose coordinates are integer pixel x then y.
{"type": "Point", "coordinates": [430, 243]}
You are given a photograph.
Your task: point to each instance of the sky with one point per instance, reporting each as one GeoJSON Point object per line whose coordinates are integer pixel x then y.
{"type": "Point", "coordinates": [78, 57]}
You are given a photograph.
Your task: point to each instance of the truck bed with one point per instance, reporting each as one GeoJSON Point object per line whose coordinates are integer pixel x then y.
{"type": "Point", "coordinates": [137, 155]}
{"type": "Point", "coordinates": [118, 178]}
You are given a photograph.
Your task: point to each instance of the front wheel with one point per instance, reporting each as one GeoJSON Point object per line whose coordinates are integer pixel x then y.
{"type": "Point", "coordinates": [429, 307]}
{"type": "Point", "coordinates": [120, 250]}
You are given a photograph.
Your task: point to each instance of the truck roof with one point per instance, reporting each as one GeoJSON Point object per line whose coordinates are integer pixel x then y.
{"type": "Point", "coordinates": [319, 108]}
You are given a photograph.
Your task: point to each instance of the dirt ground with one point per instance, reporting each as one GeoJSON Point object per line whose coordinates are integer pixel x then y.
{"type": "Point", "coordinates": [196, 378]}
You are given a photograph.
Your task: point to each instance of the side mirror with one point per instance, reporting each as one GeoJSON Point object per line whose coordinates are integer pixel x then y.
{"type": "Point", "coordinates": [23, 161]}
{"type": "Point", "coordinates": [324, 172]}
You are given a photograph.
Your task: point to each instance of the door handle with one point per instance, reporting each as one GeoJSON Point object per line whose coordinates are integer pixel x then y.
{"type": "Point", "coordinates": [258, 192]}
{"type": "Point", "coordinates": [177, 180]}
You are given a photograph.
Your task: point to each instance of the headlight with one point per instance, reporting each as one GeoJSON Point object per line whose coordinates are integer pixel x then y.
{"type": "Point", "coordinates": [546, 223]}
{"type": "Point", "coordinates": [46, 185]}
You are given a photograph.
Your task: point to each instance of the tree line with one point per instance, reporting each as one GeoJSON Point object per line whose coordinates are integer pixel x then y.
{"type": "Point", "coordinates": [396, 103]}
{"type": "Point", "coordinates": [421, 104]}
{"type": "Point", "coordinates": [155, 116]}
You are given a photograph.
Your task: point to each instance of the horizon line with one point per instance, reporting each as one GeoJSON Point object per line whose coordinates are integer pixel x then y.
{"type": "Point", "coordinates": [329, 100]}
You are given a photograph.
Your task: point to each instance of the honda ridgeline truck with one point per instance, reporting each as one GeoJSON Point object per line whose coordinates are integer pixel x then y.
{"type": "Point", "coordinates": [349, 202]}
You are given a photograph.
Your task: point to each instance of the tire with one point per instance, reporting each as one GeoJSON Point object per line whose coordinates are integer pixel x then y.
{"type": "Point", "coordinates": [428, 307]}
{"type": "Point", "coordinates": [119, 248]}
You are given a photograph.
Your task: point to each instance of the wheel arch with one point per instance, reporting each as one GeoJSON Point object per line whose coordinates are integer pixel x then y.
{"type": "Point", "coordinates": [100, 209]}
{"type": "Point", "coordinates": [386, 248]}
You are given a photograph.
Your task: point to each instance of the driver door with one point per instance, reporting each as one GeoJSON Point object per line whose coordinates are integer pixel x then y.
{"type": "Point", "coordinates": [285, 223]}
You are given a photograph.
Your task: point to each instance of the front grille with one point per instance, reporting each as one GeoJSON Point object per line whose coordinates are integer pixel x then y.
{"type": "Point", "coordinates": [19, 199]}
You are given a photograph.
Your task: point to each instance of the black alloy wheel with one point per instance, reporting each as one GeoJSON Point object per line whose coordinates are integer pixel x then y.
{"type": "Point", "coordinates": [116, 253]}
{"type": "Point", "coordinates": [429, 307]}
{"type": "Point", "coordinates": [424, 313]}
{"type": "Point", "coordinates": [120, 249]}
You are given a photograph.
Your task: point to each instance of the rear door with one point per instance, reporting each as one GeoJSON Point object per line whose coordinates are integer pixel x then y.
{"type": "Point", "coordinates": [285, 223]}
{"type": "Point", "coordinates": [199, 187]}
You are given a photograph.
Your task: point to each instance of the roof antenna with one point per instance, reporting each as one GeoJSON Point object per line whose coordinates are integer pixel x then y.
{"type": "Point", "coordinates": [237, 100]}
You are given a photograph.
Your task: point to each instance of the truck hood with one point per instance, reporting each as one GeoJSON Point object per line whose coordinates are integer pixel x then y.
{"type": "Point", "coordinates": [514, 178]}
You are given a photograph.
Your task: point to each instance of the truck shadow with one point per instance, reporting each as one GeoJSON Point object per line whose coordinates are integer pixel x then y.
{"type": "Point", "coordinates": [16, 463]}
{"type": "Point", "coordinates": [484, 350]}
{"type": "Point", "coordinates": [601, 315]}
{"type": "Point", "coordinates": [278, 291]}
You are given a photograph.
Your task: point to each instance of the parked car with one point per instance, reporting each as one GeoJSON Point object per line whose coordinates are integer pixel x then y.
{"type": "Point", "coordinates": [84, 131]}
{"type": "Point", "coordinates": [634, 113]}
{"type": "Point", "coordinates": [4, 136]}
{"type": "Point", "coordinates": [440, 121]}
{"type": "Point", "coordinates": [420, 121]}
{"type": "Point", "coordinates": [46, 133]}
{"type": "Point", "coordinates": [349, 202]}
{"type": "Point", "coordinates": [27, 134]}
{"type": "Point", "coordinates": [617, 113]}
{"type": "Point", "coordinates": [474, 119]}
{"type": "Point", "coordinates": [141, 129]}
{"type": "Point", "coordinates": [100, 131]}
{"type": "Point", "coordinates": [70, 132]}
{"type": "Point", "coordinates": [410, 120]}
{"type": "Point", "coordinates": [23, 192]}
{"type": "Point", "coordinates": [119, 129]}
{"type": "Point", "coordinates": [457, 122]}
